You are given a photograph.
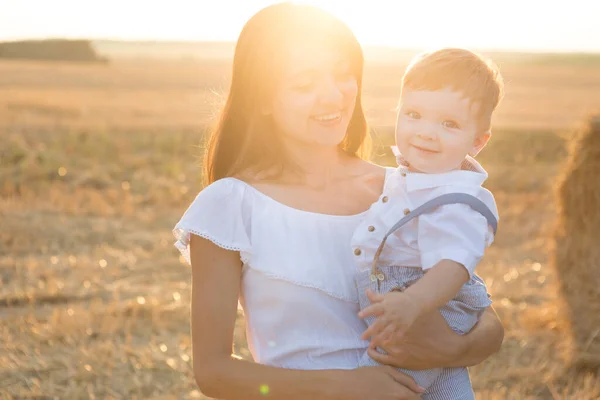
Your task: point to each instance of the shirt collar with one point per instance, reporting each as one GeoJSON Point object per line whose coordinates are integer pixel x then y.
{"type": "Point", "coordinates": [471, 173]}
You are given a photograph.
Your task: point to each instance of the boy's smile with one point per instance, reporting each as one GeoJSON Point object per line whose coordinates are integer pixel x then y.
{"type": "Point", "coordinates": [436, 130]}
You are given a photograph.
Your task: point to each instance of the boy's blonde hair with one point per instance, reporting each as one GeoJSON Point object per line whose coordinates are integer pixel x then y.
{"type": "Point", "coordinates": [460, 70]}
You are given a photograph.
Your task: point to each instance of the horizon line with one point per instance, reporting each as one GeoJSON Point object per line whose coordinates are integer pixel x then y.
{"type": "Point", "coordinates": [232, 42]}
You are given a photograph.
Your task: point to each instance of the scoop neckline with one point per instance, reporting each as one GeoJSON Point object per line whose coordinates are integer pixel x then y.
{"type": "Point", "coordinates": [313, 213]}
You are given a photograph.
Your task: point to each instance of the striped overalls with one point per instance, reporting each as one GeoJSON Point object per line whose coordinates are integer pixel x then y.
{"type": "Point", "coordinates": [461, 313]}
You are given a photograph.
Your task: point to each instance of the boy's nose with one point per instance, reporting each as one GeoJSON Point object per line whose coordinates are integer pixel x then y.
{"type": "Point", "coordinates": [427, 133]}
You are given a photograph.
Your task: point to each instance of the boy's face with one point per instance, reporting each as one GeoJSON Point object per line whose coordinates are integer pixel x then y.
{"type": "Point", "coordinates": [435, 130]}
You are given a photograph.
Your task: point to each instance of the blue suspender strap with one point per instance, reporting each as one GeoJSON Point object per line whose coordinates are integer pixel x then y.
{"type": "Point", "coordinates": [449, 198]}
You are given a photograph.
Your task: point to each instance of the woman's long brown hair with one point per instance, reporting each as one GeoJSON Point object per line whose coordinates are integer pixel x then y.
{"type": "Point", "coordinates": [244, 138]}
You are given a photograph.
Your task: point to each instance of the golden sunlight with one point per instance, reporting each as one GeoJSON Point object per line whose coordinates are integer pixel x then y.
{"type": "Point", "coordinates": [533, 25]}
{"type": "Point", "coordinates": [468, 23]}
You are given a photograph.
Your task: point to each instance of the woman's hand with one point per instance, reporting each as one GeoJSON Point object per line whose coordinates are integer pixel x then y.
{"type": "Point", "coordinates": [430, 343]}
{"type": "Point", "coordinates": [381, 383]}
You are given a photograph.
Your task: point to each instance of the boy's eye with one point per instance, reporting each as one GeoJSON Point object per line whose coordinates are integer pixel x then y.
{"type": "Point", "coordinates": [413, 115]}
{"type": "Point", "coordinates": [450, 124]}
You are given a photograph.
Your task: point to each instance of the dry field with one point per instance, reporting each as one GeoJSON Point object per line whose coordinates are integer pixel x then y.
{"type": "Point", "coordinates": [97, 163]}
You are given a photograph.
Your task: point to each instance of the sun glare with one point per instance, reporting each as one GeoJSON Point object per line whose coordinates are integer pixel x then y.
{"type": "Point", "coordinates": [378, 22]}
{"type": "Point", "coordinates": [469, 23]}
{"type": "Point", "coordinates": [533, 25]}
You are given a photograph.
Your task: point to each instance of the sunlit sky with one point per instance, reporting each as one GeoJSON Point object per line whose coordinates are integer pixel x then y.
{"type": "Point", "coordinates": [530, 25]}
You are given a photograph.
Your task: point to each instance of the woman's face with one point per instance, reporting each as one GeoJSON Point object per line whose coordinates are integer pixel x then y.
{"type": "Point", "coordinates": [314, 101]}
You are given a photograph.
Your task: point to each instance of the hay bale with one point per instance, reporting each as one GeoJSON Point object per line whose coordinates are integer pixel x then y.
{"type": "Point", "coordinates": [576, 243]}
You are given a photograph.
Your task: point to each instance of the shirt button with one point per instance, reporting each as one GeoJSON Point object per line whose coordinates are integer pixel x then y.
{"type": "Point", "coordinates": [384, 199]}
{"type": "Point", "coordinates": [406, 211]}
{"type": "Point", "coordinates": [357, 252]}
{"type": "Point", "coordinates": [403, 174]}
{"type": "Point", "coordinates": [371, 228]}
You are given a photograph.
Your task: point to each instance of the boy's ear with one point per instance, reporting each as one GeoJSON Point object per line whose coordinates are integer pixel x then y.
{"type": "Point", "coordinates": [480, 141]}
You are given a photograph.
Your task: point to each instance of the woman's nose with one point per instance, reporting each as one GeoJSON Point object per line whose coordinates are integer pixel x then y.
{"type": "Point", "coordinates": [330, 92]}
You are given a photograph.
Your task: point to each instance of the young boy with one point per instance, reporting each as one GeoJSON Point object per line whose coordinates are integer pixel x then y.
{"type": "Point", "coordinates": [420, 243]}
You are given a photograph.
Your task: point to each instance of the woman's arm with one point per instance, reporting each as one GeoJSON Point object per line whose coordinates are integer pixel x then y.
{"type": "Point", "coordinates": [216, 278]}
{"type": "Point", "coordinates": [432, 344]}
{"type": "Point", "coordinates": [484, 340]}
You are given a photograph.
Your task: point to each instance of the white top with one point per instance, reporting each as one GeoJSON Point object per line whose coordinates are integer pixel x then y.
{"type": "Point", "coordinates": [297, 291]}
{"type": "Point", "coordinates": [455, 232]}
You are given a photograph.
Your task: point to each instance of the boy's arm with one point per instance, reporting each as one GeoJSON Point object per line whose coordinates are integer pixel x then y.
{"type": "Point", "coordinates": [452, 240]}
{"type": "Point", "coordinates": [438, 286]}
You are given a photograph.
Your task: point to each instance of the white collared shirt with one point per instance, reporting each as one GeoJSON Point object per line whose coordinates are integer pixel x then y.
{"type": "Point", "coordinates": [455, 232]}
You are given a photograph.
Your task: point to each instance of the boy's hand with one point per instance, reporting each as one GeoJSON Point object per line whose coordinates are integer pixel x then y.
{"type": "Point", "coordinates": [395, 313]}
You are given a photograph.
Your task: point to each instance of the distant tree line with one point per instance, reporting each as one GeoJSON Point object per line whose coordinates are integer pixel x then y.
{"type": "Point", "coordinates": [51, 49]}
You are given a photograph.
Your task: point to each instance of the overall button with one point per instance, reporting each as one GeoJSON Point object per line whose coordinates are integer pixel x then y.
{"type": "Point", "coordinates": [371, 228]}
{"type": "Point", "coordinates": [406, 211]}
{"type": "Point", "coordinates": [384, 199]}
{"type": "Point", "coordinates": [357, 252]}
{"type": "Point", "coordinates": [403, 174]}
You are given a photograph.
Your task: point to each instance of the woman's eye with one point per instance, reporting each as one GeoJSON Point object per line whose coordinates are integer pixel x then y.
{"type": "Point", "coordinates": [450, 124]}
{"type": "Point", "coordinates": [413, 115]}
{"type": "Point", "coordinates": [304, 86]}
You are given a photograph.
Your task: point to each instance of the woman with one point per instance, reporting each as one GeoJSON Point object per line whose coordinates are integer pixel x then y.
{"type": "Point", "coordinates": [286, 190]}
